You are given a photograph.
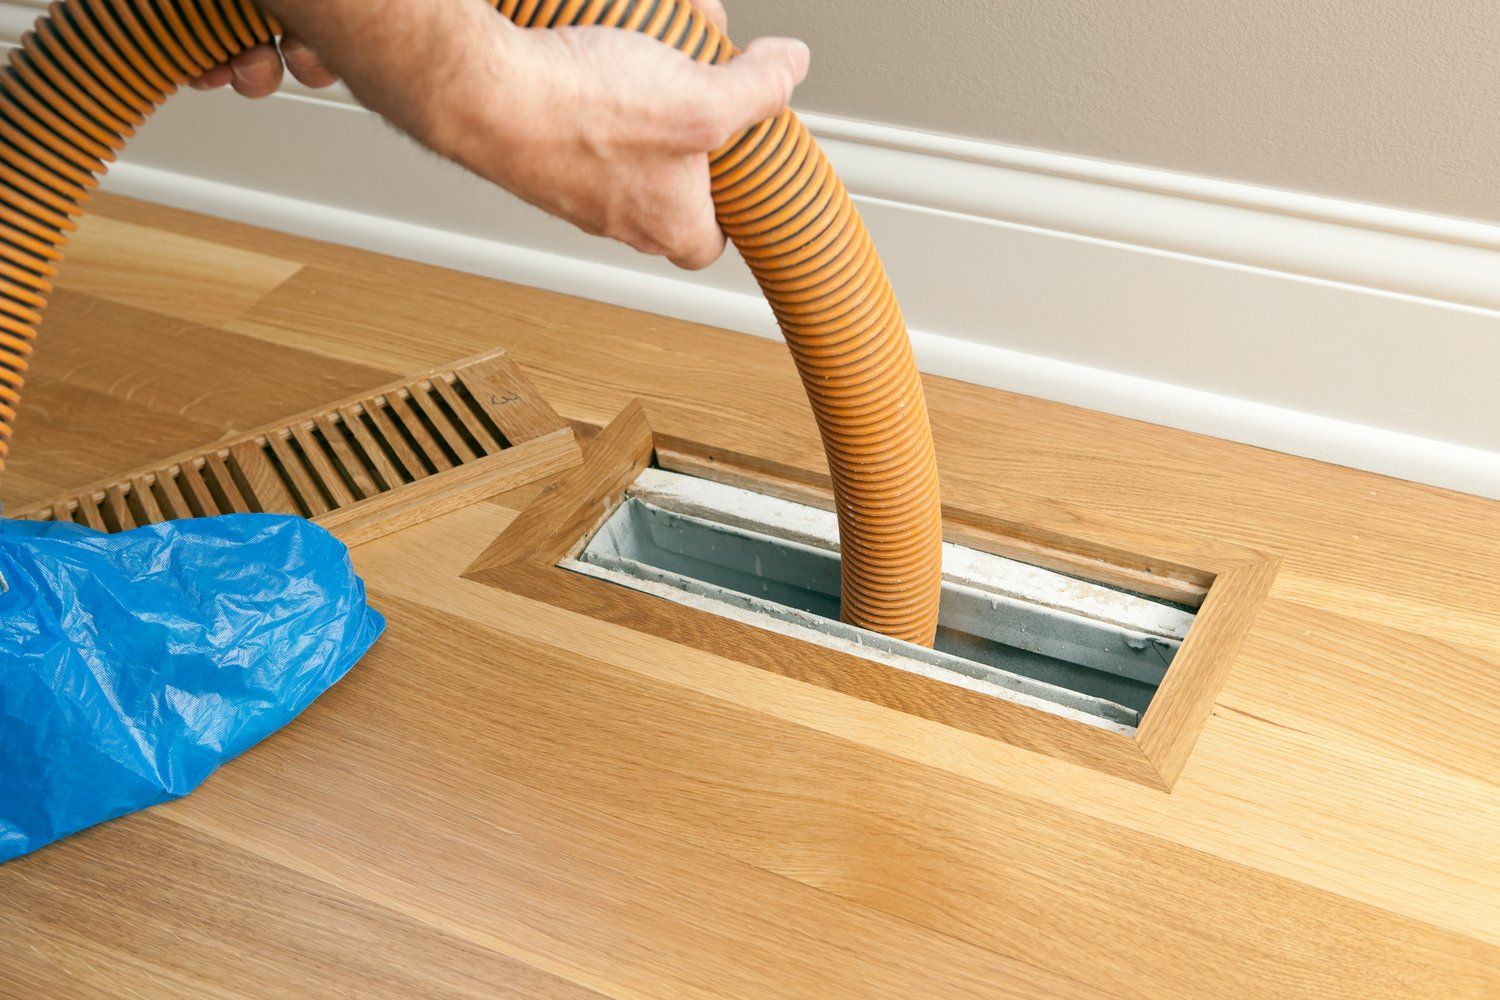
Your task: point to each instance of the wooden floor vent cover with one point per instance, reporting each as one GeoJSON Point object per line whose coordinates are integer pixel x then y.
{"type": "Point", "coordinates": [362, 466]}
{"type": "Point", "coordinates": [1145, 732]}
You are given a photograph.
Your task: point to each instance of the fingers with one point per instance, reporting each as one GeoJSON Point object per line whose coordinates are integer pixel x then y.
{"type": "Point", "coordinates": [214, 78]}
{"type": "Point", "coordinates": [305, 64]}
{"type": "Point", "coordinates": [256, 72]}
{"type": "Point", "coordinates": [714, 11]}
{"type": "Point", "coordinates": [755, 85]}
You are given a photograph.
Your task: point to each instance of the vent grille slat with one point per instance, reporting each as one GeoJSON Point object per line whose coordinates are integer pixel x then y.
{"type": "Point", "coordinates": [307, 495]}
{"type": "Point", "coordinates": [351, 466]}
{"type": "Point", "coordinates": [145, 507]}
{"type": "Point", "coordinates": [114, 510]}
{"type": "Point", "coordinates": [451, 434]}
{"type": "Point", "coordinates": [324, 464]}
{"type": "Point", "coordinates": [375, 452]}
{"type": "Point", "coordinates": [221, 485]}
{"type": "Point", "coordinates": [410, 419]}
{"type": "Point", "coordinates": [195, 490]}
{"type": "Point", "coordinates": [89, 508]}
{"type": "Point", "coordinates": [332, 485]}
{"type": "Point", "coordinates": [169, 496]}
{"type": "Point", "coordinates": [395, 439]}
{"type": "Point", "coordinates": [490, 422]}
{"type": "Point", "coordinates": [482, 436]}
{"type": "Point", "coordinates": [259, 478]}
{"type": "Point", "coordinates": [504, 395]}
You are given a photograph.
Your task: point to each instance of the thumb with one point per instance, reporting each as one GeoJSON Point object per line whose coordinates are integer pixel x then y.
{"type": "Point", "coordinates": [757, 84]}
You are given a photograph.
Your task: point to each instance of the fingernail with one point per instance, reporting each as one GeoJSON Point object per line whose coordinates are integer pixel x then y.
{"type": "Point", "coordinates": [801, 58]}
{"type": "Point", "coordinates": [255, 71]}
{"type": "Point", "coordinates": [294, 51]}
{"type": "Point", "coordinates": [300, 59]}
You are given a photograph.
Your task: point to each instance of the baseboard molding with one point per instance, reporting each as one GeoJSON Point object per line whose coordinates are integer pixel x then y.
{"type": "Point", "coordinates": [1354, 334]}
{"type": "Point", "coordinates": [1341, 442]}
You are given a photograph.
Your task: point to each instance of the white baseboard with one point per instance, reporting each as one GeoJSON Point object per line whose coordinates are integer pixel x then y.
{"type": "Point", "coordinates": [1348, 333]}
{"type": "Point", "coordinates": [1341, 442]}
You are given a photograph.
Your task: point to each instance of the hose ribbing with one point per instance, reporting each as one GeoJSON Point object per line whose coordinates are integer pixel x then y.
{"type": "Point", "coordinates": [91, 71]}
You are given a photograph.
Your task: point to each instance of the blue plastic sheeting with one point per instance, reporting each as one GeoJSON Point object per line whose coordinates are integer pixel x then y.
{"type": "Point", "coordinates": [132, 665]}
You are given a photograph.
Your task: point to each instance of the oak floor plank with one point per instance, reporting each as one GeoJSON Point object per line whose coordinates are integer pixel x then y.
{"type": "Point", "coordinates": [205, 281]}
{"type": "Point", "coordinates": [56, 963]}
{"type": "Point", "coordinates": [20, 489]}
{"type": "Point", "coordinates": [1392, 688]}
{"type": "Point", "coordinates": [253, 927]}
{"type": "Point", "coordinates": [614, 906]}
{"type": "Point", "coordinates": [172, 366]}
{"type": "Point", "coordinates": [116, 386]}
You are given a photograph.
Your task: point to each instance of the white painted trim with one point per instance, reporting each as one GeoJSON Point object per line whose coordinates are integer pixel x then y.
{"type": "Point", "coordinates": [1384, 250]}
{"type": "Point", "coordinates": [1339, 442]}
{"type": "Point", "coordinates": [1452, 261]}
{"type": "Point", "coordinates": [1233, 194]}
{"type": "Point", "coordinates": [1405, 456]}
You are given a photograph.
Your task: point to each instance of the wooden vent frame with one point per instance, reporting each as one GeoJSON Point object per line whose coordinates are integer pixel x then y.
{"type": "Point", "coordinates": [1227, 583]}
{"type": "Point", "coordinates": [361, 467]}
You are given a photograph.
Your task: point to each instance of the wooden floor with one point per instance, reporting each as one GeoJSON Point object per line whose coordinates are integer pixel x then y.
{"type": "Point", "coordinates": [509, 798]}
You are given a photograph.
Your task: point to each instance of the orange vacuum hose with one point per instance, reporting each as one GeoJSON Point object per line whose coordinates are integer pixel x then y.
{"type": "Point", "coordinates": [92, 70]}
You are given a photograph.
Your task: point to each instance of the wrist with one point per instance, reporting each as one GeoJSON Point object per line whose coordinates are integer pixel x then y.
{"type": "Point", "coordinates": [480, 96]}
{"type": "Point", "coordinates": [441, 71]}
{"type": "Point", "coordinates": [503, 108]}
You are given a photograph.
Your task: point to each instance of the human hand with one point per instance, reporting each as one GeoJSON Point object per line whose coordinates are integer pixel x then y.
{"type": "Point", "coordinates": [613, 132]}
{"type": "Point", "coordinates": [608, 129]}
{"type": "Point", "coordinates": [257, 72]}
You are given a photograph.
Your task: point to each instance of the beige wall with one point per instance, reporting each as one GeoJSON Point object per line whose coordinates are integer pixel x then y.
{"type": "Point", "coordinates": [1387, 101]}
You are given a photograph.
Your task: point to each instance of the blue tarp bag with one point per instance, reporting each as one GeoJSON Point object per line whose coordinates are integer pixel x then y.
{"type": "Point", "coordinates": [132, 665]}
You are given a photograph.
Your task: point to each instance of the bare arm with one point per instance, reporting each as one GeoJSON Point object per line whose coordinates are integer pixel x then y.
{"type": "Point", "coordinates": [608, 129]}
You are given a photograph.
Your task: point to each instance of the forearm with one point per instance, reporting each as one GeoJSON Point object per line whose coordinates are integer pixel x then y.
{"type": "Point", "coordinates": [434, 68]}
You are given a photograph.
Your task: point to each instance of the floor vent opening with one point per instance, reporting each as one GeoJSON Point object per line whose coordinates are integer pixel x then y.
{"type": "Point", "coordinates": [1070, 646]}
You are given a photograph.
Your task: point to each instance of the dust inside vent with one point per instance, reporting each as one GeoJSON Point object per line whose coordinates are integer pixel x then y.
{"type": "Point", "coordinates": [1008, 629]}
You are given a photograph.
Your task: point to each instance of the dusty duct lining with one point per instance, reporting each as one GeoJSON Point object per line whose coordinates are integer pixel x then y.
{"type": "Point", "coordinates": [92, 70]}
{"type": "Point", "coordinates": [1008, 629]}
